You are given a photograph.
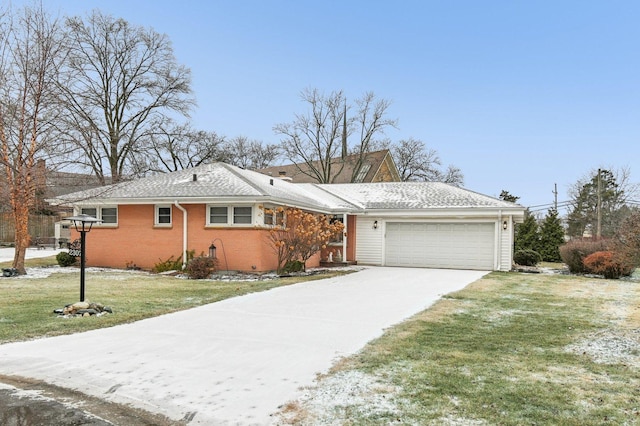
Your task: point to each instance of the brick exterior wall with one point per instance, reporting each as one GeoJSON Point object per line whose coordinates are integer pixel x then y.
{"type": "Point", "coordinates": [136, 240]}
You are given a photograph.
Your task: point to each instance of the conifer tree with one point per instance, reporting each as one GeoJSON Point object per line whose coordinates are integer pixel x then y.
{"type": "Point", "coordinates": [527, 234]}
{"type": "Point", "coordinates": [551, 237]}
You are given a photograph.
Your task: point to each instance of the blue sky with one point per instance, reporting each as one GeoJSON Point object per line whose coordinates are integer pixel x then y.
{"type": "Point", "coordinates": [520, 95]}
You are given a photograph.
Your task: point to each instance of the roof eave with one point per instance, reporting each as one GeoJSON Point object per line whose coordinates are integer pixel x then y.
{"type": "Point", "coordinates": [444, 211]}
{"type": "Point", "coordinates": [199, 200]}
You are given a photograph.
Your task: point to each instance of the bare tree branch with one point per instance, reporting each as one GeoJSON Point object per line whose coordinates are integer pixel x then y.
{"type": "Point", "coordinates": [250, 154]}
{"type": "Point", "coordinates": [314, 140]}
{"type": "Point", "coordinates": [416, 162]}
{"type": "Point", "coordinates": [120, 82]}
{"type": "Point", "coordinates": [31, 50]}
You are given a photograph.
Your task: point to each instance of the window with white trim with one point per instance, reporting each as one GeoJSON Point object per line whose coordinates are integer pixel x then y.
{"type": "Point", "coordinates": [242, 215]}
{"type": "Point", "coordinates": [91, 211]}
{"type": "Point", "coordinates": [274, 216]}
{"type": "Point", "coordinates": [218, 215]}
{"type": "Point", "coordinates": [269, 217]}
{"type": "Point", "coordinates": [229, 215]}
{"type": "Point", "coordinates": [362, 173]}
{"type": "Point", "coordinates": [340, 237]}
{"type": "Point", "coordinates": [108, 215]}
{"type": "Point", "coordinates": [163, 215]}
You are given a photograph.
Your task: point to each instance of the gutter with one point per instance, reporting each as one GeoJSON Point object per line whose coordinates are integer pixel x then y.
{"type": "Point", "coordinates": [184, 233]}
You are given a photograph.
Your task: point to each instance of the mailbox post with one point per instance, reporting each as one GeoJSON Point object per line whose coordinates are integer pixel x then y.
{"type": "Point", "coordinates": [83, 224]}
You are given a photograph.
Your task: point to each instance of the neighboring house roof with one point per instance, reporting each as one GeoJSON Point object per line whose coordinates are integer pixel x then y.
{"type": "Point", "coordinates": [50, 183]}
{"type": "Point", "coordinates": [220, 182]}
{"type": "Point", "coordinates": [60, 183]}
{"type": "Point", "coordinates": [378, 166]}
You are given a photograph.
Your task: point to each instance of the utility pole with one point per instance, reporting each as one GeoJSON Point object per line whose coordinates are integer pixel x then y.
{"type": "Point", "coordinates": [599, 208]}
{"type": "Point", "coordinates": [555, 196]}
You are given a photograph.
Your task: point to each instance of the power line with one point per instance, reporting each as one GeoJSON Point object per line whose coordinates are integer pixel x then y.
{"type": "Point", "coordinates": [556, 205]}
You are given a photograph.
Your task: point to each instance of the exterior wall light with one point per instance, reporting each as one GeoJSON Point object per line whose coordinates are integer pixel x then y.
{"type": "Point", "coordinates": [375, 224]}
{"type": "Point", "coordinates": [505, 225]}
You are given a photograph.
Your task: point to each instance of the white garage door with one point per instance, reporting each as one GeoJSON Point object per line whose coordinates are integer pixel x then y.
{"type": "Point", "coordinates": [440, 245]}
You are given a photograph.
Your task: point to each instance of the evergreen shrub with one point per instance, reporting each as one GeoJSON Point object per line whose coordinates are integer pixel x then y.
{"type": "Point", "coordinates": [64, 259]}
{"type": "Point", "coordinates": [293, 266]}
{"type": "Point", "coordinates": [527, 257]}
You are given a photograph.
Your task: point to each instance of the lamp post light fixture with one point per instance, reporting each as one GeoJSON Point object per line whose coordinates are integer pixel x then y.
{"type": "Point", "coordinates": [83, 224]}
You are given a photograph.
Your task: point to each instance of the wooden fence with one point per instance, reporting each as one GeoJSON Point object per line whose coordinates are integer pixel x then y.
{"type": "Point", "coordinates": [40, 226]}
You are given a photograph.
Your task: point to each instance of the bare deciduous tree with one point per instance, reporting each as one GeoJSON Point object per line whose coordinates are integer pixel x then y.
{"type": "Point", "coordinates": [251, 154]}
{"type": "Point", "coordinates": [30, 55]}
{"type": "Point", "coordinates": [368, 124]}
{"type": "Point", "coordinates": [416, 162]}
{"type": "Point", "coordinates": [120, 84]}
{"type": "Point", "coordinates": [180, 147]}
{"type": "Point", "coordinates": [325, 133]}
{"type": "Point", "coordinates": [452, 175]}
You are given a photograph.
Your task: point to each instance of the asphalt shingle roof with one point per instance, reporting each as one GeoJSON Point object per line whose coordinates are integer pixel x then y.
{"type": "Point", "coordinates": [220, 180]}
{"type": "Point", "coordinates": [215, 180]}
{"type": "Point", "coordinates": [413, 195]}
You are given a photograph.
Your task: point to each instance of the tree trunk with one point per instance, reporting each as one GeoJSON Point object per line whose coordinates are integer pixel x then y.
{"type": "Point", "coordinates": [22, 239]}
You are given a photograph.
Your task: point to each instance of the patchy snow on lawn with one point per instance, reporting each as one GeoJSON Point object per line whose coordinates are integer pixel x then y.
{"type": "Point", "coordinates": [46, 272]}
{"type": "Point", "coordinates": [610, 347]}
{"type": "Point", "coordinates": [122, 274]}
{"type": "Point", "coordinates": [340, 395]}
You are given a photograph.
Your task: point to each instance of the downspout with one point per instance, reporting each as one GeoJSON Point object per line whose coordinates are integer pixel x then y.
{"type": "Point", "coordinates": [500, 231]}
{"type": "Point", "coordinates": [345, 231]}
{"type": "Point", "coordinates": [184, 233]}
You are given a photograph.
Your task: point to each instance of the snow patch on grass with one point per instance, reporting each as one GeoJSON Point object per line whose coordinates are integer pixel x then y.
{"type": "Point", "coordinates": [610, 347]}
{"type": "Point", "coordinates": [338, 397]}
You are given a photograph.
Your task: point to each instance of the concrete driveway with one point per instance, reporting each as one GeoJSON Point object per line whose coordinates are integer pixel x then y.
{"type": "Point", "coordinates": [235, 361]}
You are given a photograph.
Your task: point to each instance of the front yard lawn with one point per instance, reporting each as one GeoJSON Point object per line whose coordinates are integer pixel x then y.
{"type": "Point", "coordinates": [510, 349]}
{"type": "Point", "coordinates": [27, 303]}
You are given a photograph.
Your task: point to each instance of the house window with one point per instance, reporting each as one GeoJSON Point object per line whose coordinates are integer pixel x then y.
{"type": "Point", "coordinates": [163, 215]}
{"type": "Point", "coordinates": [274, 216]}
{"type": "Point", "coordinates": [108, 215]}
{"type": "Point", "coordinates": [269, 215]}
{"type": "Point", "coordinates": [91, 211]}
{"type": "Point", "coordinates": [242, 215]}
{"type": "Point", "coordinates": [218, 215]}
{"type": "Point", "coordinates": [338, 238]}
{"type": "Point", "coordinates": [362, 173]}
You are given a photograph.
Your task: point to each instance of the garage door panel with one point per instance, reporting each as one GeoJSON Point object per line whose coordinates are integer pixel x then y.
{"type": "Point", "coordinates": [440, 245]}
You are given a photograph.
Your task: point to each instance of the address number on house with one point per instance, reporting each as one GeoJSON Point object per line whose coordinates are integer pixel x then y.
{"type": "Point", "coordinates": [74, 249]}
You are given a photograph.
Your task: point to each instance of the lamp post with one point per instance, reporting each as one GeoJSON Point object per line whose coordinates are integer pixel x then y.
{"type": "Point", "coordinates": [83, 224]}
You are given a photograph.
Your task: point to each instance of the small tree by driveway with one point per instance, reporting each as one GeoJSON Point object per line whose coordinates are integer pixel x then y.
{"type": "Point", "coordinates": [300, 234]}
